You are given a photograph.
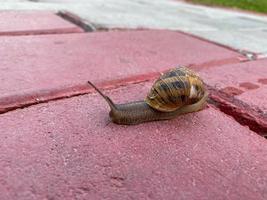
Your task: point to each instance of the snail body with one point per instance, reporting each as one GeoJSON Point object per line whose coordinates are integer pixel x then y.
{"type": "Point", "coordinates": [176, 92]}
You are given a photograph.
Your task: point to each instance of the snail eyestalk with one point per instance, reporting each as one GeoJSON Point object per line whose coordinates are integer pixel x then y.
{"type": "Point", "coordinates": [108, 100]}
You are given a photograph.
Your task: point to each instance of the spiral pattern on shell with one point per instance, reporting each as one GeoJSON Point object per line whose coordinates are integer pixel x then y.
{"type": "Point", "coordinates": [174, 89]}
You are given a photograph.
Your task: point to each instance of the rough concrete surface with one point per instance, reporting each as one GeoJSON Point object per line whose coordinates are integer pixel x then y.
{"type": "Point", "coordinates": [242, 89]}
{"type": "Point", "coordinates": [246, 81]}
{"type": "Point", "coordinates": [67, 149]}
{"type": "Point", "coordinates": [235, 29]}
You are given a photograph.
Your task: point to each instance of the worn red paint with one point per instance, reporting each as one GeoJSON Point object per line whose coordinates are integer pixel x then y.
{"type": "Point", "coordinates": [67, 61]}
{"type": "Point", "coordinates": [248, 106]}
{"type": "Point", "coordinates": [249, 86]}
{"type": "Point", "coordinates": [263, 81]}
{"type": "Point", "coordinates": [12, 102]}
{"type": "Point", "coordinates": [67, 149]}
{"type": "Point", "coordinates": [14, 23]}
{"type": "Point", "coordinates": [232, 91]}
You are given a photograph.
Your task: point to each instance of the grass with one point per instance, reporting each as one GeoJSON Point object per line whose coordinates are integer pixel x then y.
{"type": "Point", "coordinates": [253, 5]}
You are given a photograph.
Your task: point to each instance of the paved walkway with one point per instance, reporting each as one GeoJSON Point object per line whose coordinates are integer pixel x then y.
{"type": "Point", "coordinates": [65, 147]}
{"type": "Point", "coordinates": [237, 30]}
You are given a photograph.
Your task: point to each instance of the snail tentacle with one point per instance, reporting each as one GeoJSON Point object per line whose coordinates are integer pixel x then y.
{"type": "Point", "coordinates": [108, 100]}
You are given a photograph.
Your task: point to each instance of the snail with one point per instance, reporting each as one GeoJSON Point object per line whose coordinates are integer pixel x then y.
{"type": "Point", "coordinates": [176, 92]}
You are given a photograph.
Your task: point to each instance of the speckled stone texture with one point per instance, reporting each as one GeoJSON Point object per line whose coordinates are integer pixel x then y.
{"type": "Point", "coordinates": [67, 149]}
{"type": "Point", "coordinates": [35, 69]}
{"type": "Point", "coordinates": [34, 23]}
{"type": "Point", "coordinates": [244, 87]}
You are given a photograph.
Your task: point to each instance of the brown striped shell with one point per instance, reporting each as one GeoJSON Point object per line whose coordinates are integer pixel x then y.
{"type": "Point", "coordinates": [174, 89]}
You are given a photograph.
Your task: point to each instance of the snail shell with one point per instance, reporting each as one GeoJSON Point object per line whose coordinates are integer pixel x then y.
{"type": "Point", "coordinates": [174, 89]}
{"type": "Point", "coordinates": [176, 92]}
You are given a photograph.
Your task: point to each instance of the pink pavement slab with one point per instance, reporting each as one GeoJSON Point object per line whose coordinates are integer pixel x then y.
{"type": "Point", "coordinates": [35, 69]}
{"type": "Point", "coordinates": [66, 149]}
{"type": "Point", "coordinates": [245, 86]}
{"type": "Point", "coordinates": [34, 22]}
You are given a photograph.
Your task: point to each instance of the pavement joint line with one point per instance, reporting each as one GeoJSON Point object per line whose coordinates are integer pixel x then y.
{"type": "Point", "coordinates": [100, 27]}
{"type": "Point", "coordinates": [23, 101]}
{"type": "Point", "coordinates": [75, 19]}
{"type": "Point", "coordinates": [261, 56]}
{"type": "Point", "coordinates": [42, 32]}
{"type": "Point", "coordinates": [226, 104]}
{"type": "Point", "coordinates": [46, 22]}
{"type": "Point", "coordinates": [14, 102]}
{"type": "Point", "coordinates": [18, 101]}
{"type": "Point", "coordinates": [248, 55]}
{"type": "Point", "coordinates": [199, 20]}
{"type": "Point", "coordinates": [213, 63]}
{"type": "Point", "coordinates": [231, 106]}
{"type": "Point", "coordinates": [210, 41]}
{"type": "Point", "coordinates": [217, 99]}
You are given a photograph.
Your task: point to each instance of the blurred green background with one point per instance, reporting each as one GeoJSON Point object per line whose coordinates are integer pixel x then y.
{"type": "Point", "coordinates": [253, 5]}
